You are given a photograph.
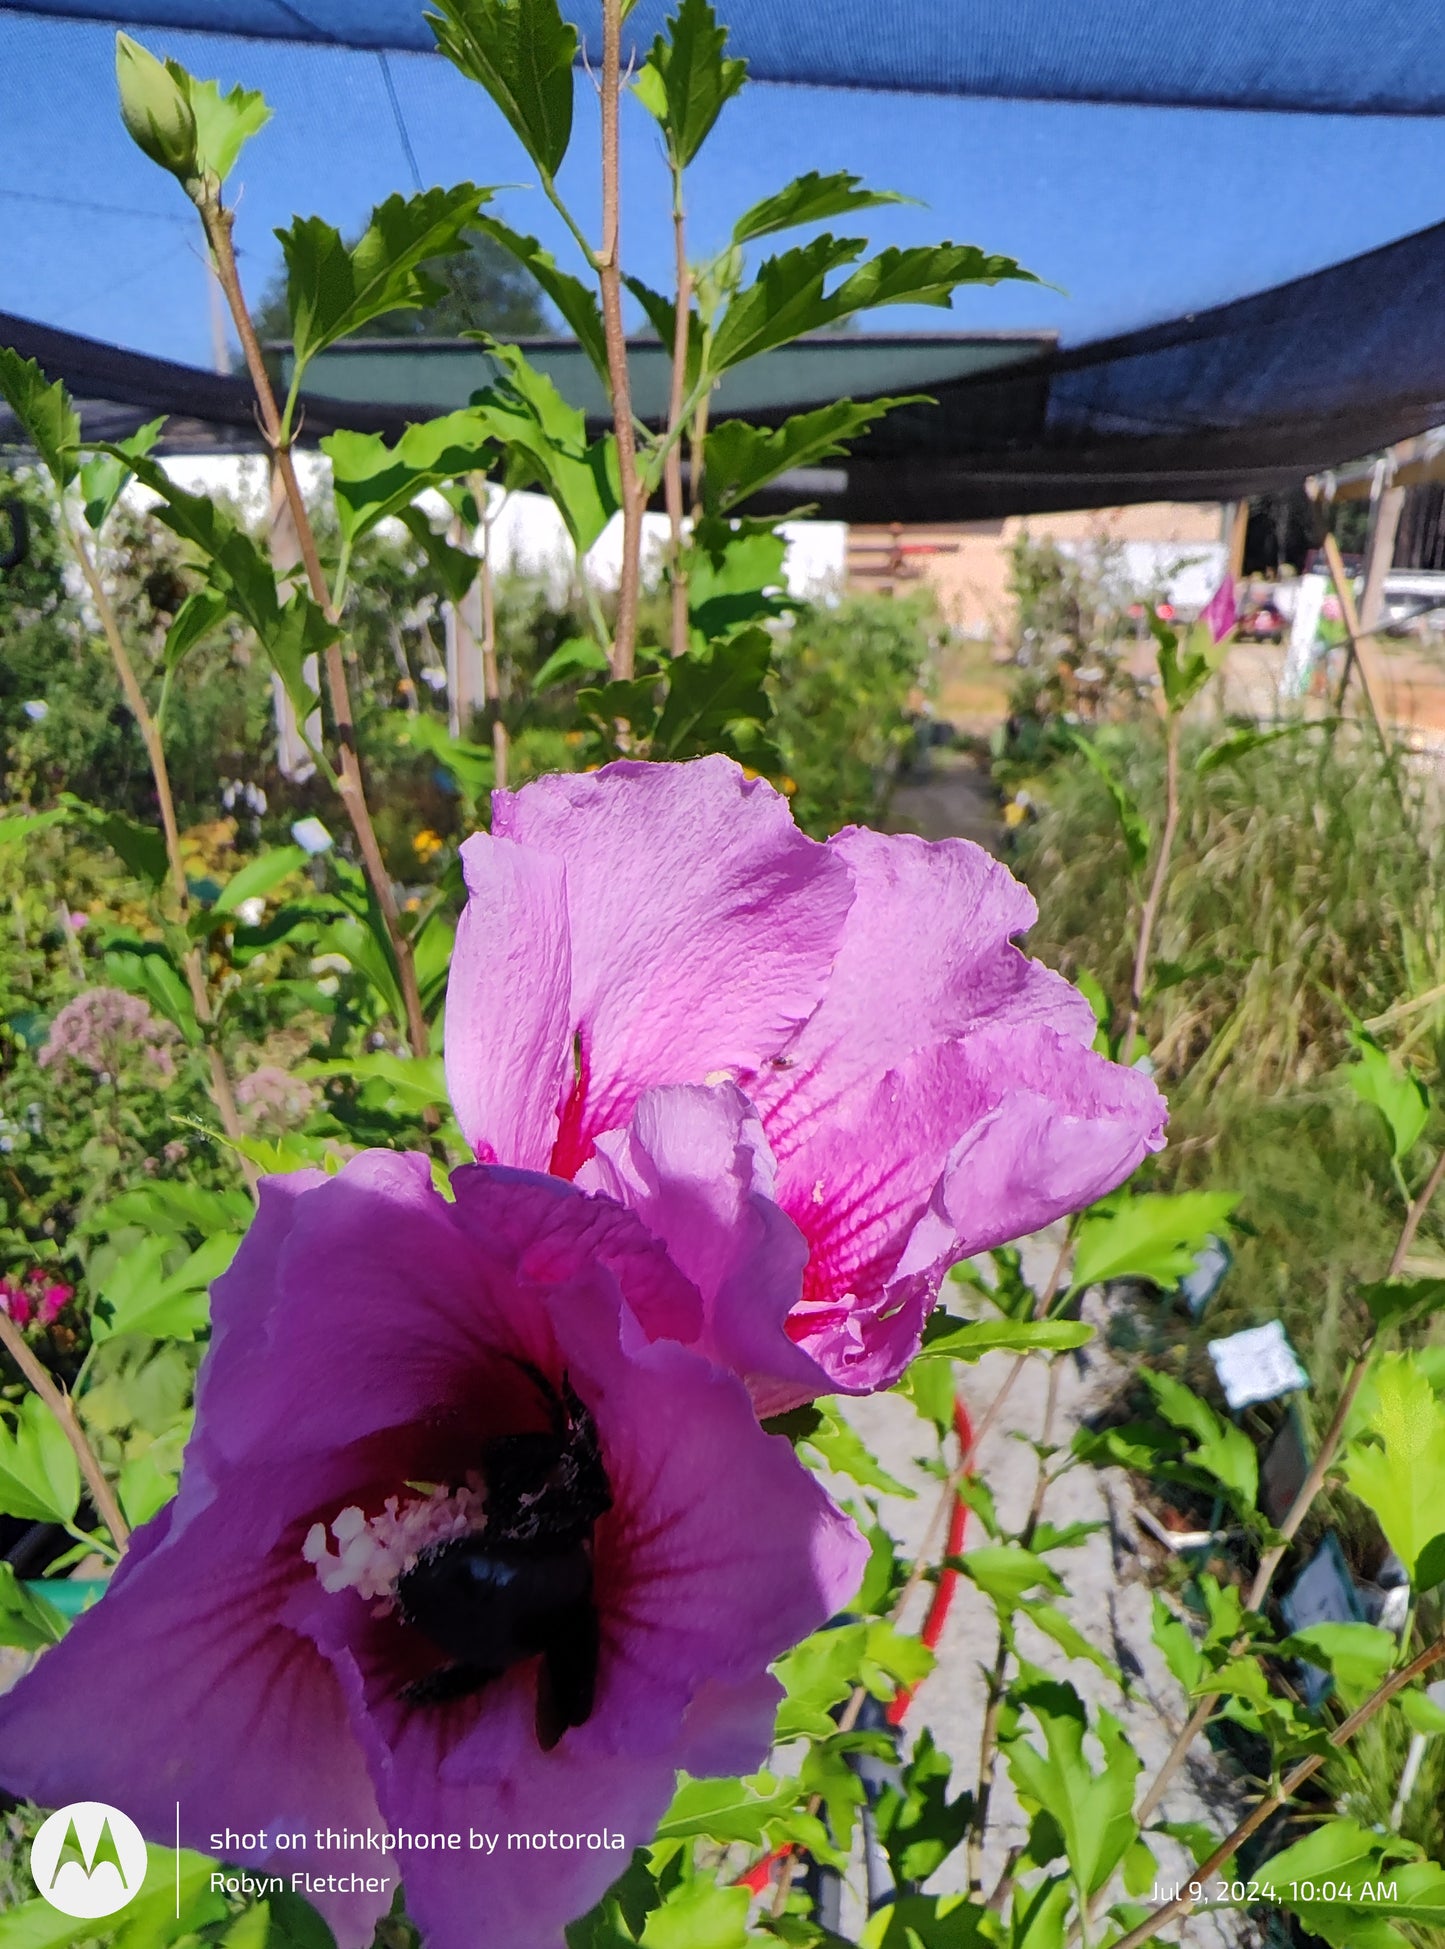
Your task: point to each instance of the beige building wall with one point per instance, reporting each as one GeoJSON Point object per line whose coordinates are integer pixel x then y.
{"type": "Point", "coordinates": [966, 562]}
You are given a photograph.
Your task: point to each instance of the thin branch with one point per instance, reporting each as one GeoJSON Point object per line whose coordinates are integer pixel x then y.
{"type": "Point", "coordinates": [1154, 899]}
{"type": "Point", "coordinates": [63, 1408]}
{"type": "Point", "coordinates": [221, 1093]}
{"type": "Point", "coordinates": [609, 276]}
{"type": "Point", "coordinates": [1308, 1490]}
{"type": "Point", "coordinates": [1287, 1788]}
{"type": "Point", "coordinates": [352, 787]}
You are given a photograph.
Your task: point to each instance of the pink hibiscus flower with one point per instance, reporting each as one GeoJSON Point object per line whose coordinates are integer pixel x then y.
{"type": "Point", "coordinates": [463, 1545]}
{"type": "Point", "coordinates": [662, 987]}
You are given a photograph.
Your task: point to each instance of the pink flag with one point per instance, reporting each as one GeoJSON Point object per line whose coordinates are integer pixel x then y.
{"type": "Point", "coordinates": [1220, 612]}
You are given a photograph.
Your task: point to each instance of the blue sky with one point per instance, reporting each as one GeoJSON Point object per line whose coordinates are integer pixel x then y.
{"type": "Point", "coordinates": [1138, 214]}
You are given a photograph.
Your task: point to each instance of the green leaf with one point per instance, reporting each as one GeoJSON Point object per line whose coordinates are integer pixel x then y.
{"type": "Point", "coordinates": [922, 274]}
{"type": "Point", "coordinates": [1184, 675]}
{"type": "Point", "coordinates": [940, 1922]}
{"type": "Point", "coordinates": [50, 423]}
{"type": "Point", "coordinates": [140, 1297]}
{"type": "Point", "coordinates": [843, 1450]}
{"type": "Point", "coordinates": [1091, 1804]}
{"type": "Point", "coordinates": [1132, 823]}
{"type": "Point", "coordinates": [1398, 1469]}
{"type": "Point", "coordinates": [576, 301]}
{"type": "Point", "coordinates": [224, 124]}
{"type": "Point", "coordinates": [929, 1386]}
{"type": "Point", "coordinates": [1221, 1449]}
{"type": "Point", "coordinates": [546, 442]}
{"type": "Point", "coordinates": [727, 1810]}
{"type": "Point", "coordinates": [687, 79]}
{"type": "Point", "coordinates": [104, 475]}
{"type": "Point", "coordinates": [372, 480]}
{"type": "Point", "coordinates": [27, 1621]}
{"type": "Point", "coordinates": [916, 1821]}
{"type": "Point", "coordinates": [1244, 738]}
{"type": "Point", "coordinates": [951, 1339]}
{"type": "Point", "coordinates": [711, 692]}
{"type": "Point", "coordinates": [699, 1915]}
{"type": "Point", "coordinates": [413, 1083]}
{"type": "Point", "coordinates": [521, 51]}
{"type": "Point", "coordinates": [736, 577]}
{"type": "Point", "coordinates": [811, 199]}
{"type": "Point", "coordinates": [1153, 1235]}
{"type": "Point", "coordinates": [1401, 1098]}
{"type": "Point", "coordinates": [740, 459]}
{"type": "Point", "coordinates": [155, 108]}
{"type": "Point", "coordinates": [39, 1475]}
{"type": "Point", "coordinates": [1393, 1301]}
{"type": "Point", "coordinates": [1006, 1571]}
{"type": "Point", "coordinates": [570, 659]}
{"type": "Point", "coordinates": [201, 612]}
{"type": "Point", "coordinates": [140, 848]}
{"type": "Point", "coordinates": [1049, 1619]}
{"type": "Point", "coordinates": [457, 568]}
{"type": "Point", "coordinates": [1357, 1656]}
{"type": "Point", "coordinates": [786, 299]}
{"type": "Point", "coordinates": [1421, 1712]}
{"type": "Point", "coordinates": [333, 290]}
{"type": "Point", "coordinates": [1181, 1654]}
{"type": "Point", "coordinates": [259, 876]}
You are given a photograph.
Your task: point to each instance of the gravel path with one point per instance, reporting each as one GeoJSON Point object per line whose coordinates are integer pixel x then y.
{"type": "Point", "coordinates": [1110, 1598]}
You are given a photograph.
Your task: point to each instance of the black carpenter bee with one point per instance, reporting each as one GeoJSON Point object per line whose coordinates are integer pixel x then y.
{"type": "Point", "coordinates": [521, 1587]}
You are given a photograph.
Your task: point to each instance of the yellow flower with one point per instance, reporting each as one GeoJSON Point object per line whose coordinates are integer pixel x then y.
{"type": "Point", "coordinates": [427, 844]}
{"type": "Point", "coordinates": [1014, 814]}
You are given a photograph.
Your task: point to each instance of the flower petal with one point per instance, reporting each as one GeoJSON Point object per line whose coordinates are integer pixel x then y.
{"type": "Point", "coordinates": [702, 926]}
{"type": "Point", "coordinates": [181, 1686]}
{"type": "Point", "coordinates": [380, 1305]}
{"type": "Point", "coordinates": [695, 1597]}
{"type": "Point", "coordinates": [695, 1166]}
{"type": "Point", "coordinates": [509, 1018]}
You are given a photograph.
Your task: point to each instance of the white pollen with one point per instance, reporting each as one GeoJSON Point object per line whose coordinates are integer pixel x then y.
{"type": "Point", "coordinates": [716, 1076]}
{"type": "Point", "coordinates": [373, 1551]}
{"type": "Point", "coordinates": [818, 1191]}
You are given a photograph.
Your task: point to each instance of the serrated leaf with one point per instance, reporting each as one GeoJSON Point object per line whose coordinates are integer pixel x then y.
{"type": "Point", "coordinates": [727, 1810]}
{"type": "Point", "coordinates": [1398, 1469]}
{"type": "Point", "coordinates": [50, 423]}
{"type": "Point", "coordinates": [546, 442]}
{"type": "Point", "coordinates": [1049, 1619]}
{"type": "Point", "coordinates": [39, 1475]}
{"type": "Point", "coordinates": [225, 123]}
{"type": "Point", "coordinates": [576, 301]}
{"type": "Point", "coordinates": [950, 1339]}
{"type": "Point", "coordinates": [811, 199]}
{"type": "Point", "coordinates": [456, 568]}
{"type": "Point", "coordinates": [1091, 1804]}
{"type": "Point", "coordinates": [1132, 823]}
{"type": "Point", "coordinates": [521, 52]}
{"type": "Point", "coordinates": [740, 459]}
{"type": "Point", "coordinates": [687, 79]}
{"type": "Point", "coordinates": [699, 1915]}
{"type": "Point", "coordinates": [710, 691]}
{"type": "Point", "coordinates": [103, 476]}
{"type": "Point", "coordinates": [1357, 1656]}
{"type": "Point", "coordinates": [1181, 1654]}
{"type": "Point", "coordinates": [140, 1297]}
{"type": "Point", "coordinates": [843, 1450]}
{"type": "Point", "coordinates": [1005, 1572]}
{"type": "Point", "coordinates": [1400, 1097]}
{"type": "Point", "coordinates": [1220, 1449]}
{"type": "Point", "coordinates": [333, 289]}
{"type": "Point", "coordinates": [202, 611]}
{"type": "Point", "coordinates": [27, 1621]}
{"type": "Point", "coordinates": [371, 480]}
{"type": "Point", "coordinates": [1149, 1235]}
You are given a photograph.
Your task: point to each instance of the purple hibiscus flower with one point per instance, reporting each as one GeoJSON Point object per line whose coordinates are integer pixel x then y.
{"type": "Point", "coordinates": [408, 1401]}
{"type": "Point", "coordinates": [660, 985]}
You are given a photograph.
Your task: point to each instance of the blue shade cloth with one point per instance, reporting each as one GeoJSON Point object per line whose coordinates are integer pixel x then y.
{"type": "Point", "coordinates": [1351, 57]}
{"type": "Point", "coordinates": [1219, 405]}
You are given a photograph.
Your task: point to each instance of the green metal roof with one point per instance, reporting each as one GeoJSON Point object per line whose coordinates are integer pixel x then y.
{"type": "Point", "coordinates": [439, 375]}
